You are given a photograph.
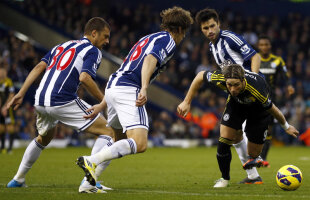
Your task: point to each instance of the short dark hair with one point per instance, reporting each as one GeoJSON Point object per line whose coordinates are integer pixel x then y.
{"type": "Point", "coordinates": [173, 18]}
{"type": "Point", "coordinates": [95, 23]}
{"type": "Point", "coordinates": [264, 37]}
{"type": "Point", "coordinates": [234, 71]}
{"type": "Point", "coordinates": [206, 14]}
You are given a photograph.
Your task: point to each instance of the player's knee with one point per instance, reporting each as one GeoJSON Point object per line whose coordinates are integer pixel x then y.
{"type": "Point", "coordinates": [43, 140]}
{"type": "Point", "coordinates": [141, 147]}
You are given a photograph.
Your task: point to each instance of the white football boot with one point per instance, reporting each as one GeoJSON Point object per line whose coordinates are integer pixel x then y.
{"type": "Point", "coordinates": [220, 183]}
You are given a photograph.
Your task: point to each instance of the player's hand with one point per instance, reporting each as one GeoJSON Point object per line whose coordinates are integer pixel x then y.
{"type": "Point", "coordinates": [16, 101]}
{"type": "Point", "coordinates": [292, 131]}
{"type": "Point", "coordinates": [183, 108]}
{"type": "Point", "coordinates": [142, 97]}
{"type": "Point", "coordinates": [290, 90]}
{"type": "Point", "coordinates": [95, 110]}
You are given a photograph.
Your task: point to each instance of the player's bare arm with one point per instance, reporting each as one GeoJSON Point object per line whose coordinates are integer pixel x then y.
{"type": "Point", "coordinates": [185, 106]}
{"type": "Point", "coordinates": [90, 85]}
{"type": "Point", "coordinates": [289, 129]}
{"type": "Point", "coordinates": [33, 75]}
{"type": "Point", "coordinates": [148, 67]}
{"type": "Point", "coordinates": [255, 63]}
{"type": "Point", "coordinates": [95, 109]}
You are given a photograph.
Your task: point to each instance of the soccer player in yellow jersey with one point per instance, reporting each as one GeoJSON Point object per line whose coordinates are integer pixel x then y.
{"type": "Point", "coordinates": [248, 99]}
{"type": "Point", "coordinates": [273, 67]}
{"type": "Point", "coordinates": [7, 119]}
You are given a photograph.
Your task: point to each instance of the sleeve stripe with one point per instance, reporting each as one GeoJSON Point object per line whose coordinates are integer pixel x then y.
{"type": "Point", "coordinates": [217, 77]}
{"type": "Point", "coordinates": [258, 95]}
{"type": "Point", "coordinates": [170, 45]}
{"type": "Point", "coordinates": [234, 38]}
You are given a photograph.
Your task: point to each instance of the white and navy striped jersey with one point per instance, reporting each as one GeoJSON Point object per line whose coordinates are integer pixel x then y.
{"type": "Point", "coordinates": [231, 48]}
{"type": "Point", "coordinates": [65, 63]}
{"type": "Point", "coordinates": [161, 45]}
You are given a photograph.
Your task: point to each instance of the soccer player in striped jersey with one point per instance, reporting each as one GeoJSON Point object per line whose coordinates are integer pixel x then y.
{"type": "Point", "coordinates": [66, 67]}
{"type": "Point", "coordinates": [126, 91]}
{"type": "Point", "coordinates": [229, 48]}
{"type": "Point", "coordinates": [274, 69]}
{"type": "Point", "coordinates": [248, 99]}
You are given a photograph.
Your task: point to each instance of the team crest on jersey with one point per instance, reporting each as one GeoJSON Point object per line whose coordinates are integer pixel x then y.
{"type": "Point", "coordinates": [226, 117]}
{"type": "Point", "coordinates": [162, 54]}
{"type": "Point", "coordinates": [249, 100]}
{"type": "Point", "coordinates": [245, 49]}
{"type": "Point", "coordinates": [273, 65]}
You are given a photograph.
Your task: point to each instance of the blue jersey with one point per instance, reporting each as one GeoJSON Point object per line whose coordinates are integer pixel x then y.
{"type": "Point", "coordinates": [161, 45]}
{"type": "Point", "coordinates": [231, 48]}
{"type": "Point", "coordinates": [65, 63]}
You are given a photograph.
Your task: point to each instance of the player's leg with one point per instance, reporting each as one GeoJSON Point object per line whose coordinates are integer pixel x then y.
{"type": "Point", "coordinates": [256, 132]}
{"type": "Point", "coordinates": [122, 113]}
{"type": "Point", "coordinates": [46, 128]}
{"type": "Point", "coordinates": [227, 137]}
{"type": "Point", "coordinates": [231, 122]}
{"type": "Point", "coordinates": [241, 149]}
{"type": "Point", "coordinates": [31, 155]}
{"type": "Point", "coordinates": [11, 130]}
{"type": "Point", "coordinates": [2, 135]}
{"type": "Point", "coordinates": [267, 145]}
{"type": "Point", "coordinates": [136, 143]}
{"type": "Point", "coordinates": [10, 121]}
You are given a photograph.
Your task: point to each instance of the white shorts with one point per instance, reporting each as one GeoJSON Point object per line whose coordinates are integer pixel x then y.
{"type": "Point", "coordinates": [70, 114]}
{"type": "Point", "coordinates": [122, 110]}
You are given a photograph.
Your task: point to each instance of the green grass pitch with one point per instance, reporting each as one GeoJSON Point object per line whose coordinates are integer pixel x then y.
{"type": "Point", "coordinates": [159, 173]}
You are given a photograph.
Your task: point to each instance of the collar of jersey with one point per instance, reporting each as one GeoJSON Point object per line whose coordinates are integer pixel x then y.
{"type": "Point", "coordinates": [85, 38]}
{"type": "Point", "coordinates": [218, 37]}
{"type": "Point", "coordinates": [265, 59]}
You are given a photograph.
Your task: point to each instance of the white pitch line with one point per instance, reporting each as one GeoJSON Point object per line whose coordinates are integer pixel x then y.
{"type": "Point", "coordinates": [134, 191]}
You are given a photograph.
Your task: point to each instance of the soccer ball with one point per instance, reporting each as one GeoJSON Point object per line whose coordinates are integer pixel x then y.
{"type": "Point", "coordinates": [289, 177]}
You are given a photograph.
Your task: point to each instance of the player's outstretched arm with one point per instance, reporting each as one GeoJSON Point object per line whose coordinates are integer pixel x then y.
{"type": "Point", "coordinates": [148, 67]}
{"type": "Point", "coordinates": [184, 107]}
{"type": "Point", "coordinates": [289, 129]}
{"type": "Point", "coordinates": [255, 63]}
{"type": "Point", "coordinates": [33, 75]}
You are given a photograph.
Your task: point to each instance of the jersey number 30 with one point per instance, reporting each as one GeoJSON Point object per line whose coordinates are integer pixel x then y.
{"type": "Point", "coordinates": [65, 59]}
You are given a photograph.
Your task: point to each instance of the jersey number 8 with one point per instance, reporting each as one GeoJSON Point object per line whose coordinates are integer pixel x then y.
{"type": "Point", "coordinates": [138, 50]}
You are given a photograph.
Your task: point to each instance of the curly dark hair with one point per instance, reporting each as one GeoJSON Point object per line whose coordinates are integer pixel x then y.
{"type": "Point", "coordinates": [173, 18]}
{"type": "Point", "coordinates": [206, 14]}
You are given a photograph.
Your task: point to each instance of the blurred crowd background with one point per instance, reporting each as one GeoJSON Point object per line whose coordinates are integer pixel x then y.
{"type": "Point", "coordinates": [290, 35]}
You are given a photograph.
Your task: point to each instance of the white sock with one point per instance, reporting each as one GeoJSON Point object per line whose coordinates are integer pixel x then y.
{"type": "Point", "coordinates": [102, 141]}
{"type": "Point", "coordinates": [117, 150]}
{"type": "Point", "coordinates": [31, 154]}
{"type": "Point", "coordinates": [241, 149]}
